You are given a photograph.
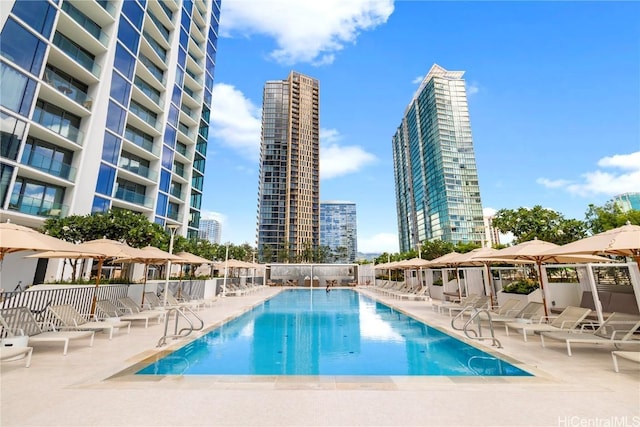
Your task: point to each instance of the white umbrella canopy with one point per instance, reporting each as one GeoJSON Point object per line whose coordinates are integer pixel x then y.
{"type": "Point", "coordinates": [539, 252]}
{"type": "Point", "coordinates": [621, 241]}
{"type": "Point", "coordinates": [450, 259]}
{"type": "Point", "coordinates": [16, 238]}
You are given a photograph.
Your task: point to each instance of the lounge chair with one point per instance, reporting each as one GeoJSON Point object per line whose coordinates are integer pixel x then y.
{"type": "Point", "coordinates": [570, 318]}
{"type": "Point", "coordinates": [634, 356]}
{"type": "Point", "coordinates": [153, 301]}
{"type": "Point", "coordinates": [11, 353]}
{"type": "Point", "coordinates": [477, 303]}
{"type": "Point", "coordinates": [173, 301]}
{"type": "Point", "coordinates": [530, 313]}
{"type": "Point", "coordinates": [617, 329]}
{"type": "Point", "coordinates": [70, 318]}
{"type": "Point", "coordinates": [112, 311]}
{"type": "Point", "coordinates": [21, 318]}
{"type": "Point", "coordinates": [132, 307]}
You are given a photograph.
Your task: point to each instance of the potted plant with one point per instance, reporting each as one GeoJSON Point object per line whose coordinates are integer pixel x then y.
{"type": "Point", "coordinates": [521, 286]}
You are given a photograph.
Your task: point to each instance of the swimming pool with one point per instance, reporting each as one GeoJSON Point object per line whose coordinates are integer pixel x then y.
{"type": "Point", "coordinates": [342, 332]}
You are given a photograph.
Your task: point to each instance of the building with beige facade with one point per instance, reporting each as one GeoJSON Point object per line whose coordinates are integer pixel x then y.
{"type": "Point", "coordinates": [289, 183]}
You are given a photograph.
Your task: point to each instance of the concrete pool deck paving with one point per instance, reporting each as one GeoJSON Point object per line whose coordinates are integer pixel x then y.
{"type": "Point", "coordinates": [91, 386]}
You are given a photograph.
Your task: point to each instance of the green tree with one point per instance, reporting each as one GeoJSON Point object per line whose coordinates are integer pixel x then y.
{"type": "Point", "coordinates": [433, 249]}
{"type": "Point", "coordinates": [538, 222]}
{"type": "Point", "coordinates": [609, 216]}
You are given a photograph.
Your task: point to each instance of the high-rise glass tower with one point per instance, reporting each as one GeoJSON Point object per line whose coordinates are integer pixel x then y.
{"type": "Point", "coordinates": [339, 230]}
{"type": "Point", "coordinates": [105, 104]}
{"type": "Point", "coordinates": [210, 230]}
{"type": "Point", "coordinates": [289, 187]}
{"type": "Point", "coordinates": [628, 201]}
{"type": "Point", "coordinates": [437, 191]}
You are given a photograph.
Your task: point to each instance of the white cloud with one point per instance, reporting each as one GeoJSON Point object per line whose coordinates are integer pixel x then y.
{"type": "Point", "coordinates": [304, 31]}
{"type": "Point", "coordinates": [488, 212]}
{"type": "Point", "coordinates": [553, 183]}
{"type": "Point", "coordinates": [472, 88]}
{"type": "Point", "coordinates": [337, 160]}
{"type": "Point", "coordinates": [417, 80]}
{"type": "Point", "coordinates": [623, 180]}
{"type": "Point", "coordinates": [206, 214]}
{"type": "Point", "coordinates": [235, 120]}
{"type": "Point", "coordinates": [622, 161]}
{"type": "Point", "coordinates": [378, 243]}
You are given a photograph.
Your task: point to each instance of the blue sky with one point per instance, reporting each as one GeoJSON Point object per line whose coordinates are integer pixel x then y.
{"type": "Point", "coordinates": [553, 89]}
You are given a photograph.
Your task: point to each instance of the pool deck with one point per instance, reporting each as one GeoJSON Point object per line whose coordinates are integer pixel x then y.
{"type": "Point", "coordinates": [92, 387]}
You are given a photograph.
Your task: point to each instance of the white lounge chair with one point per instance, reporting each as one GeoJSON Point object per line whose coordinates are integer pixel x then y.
{"type": "Point", "coordinates": [110, 310]}
{"type": "Point", "coordinates": [72, 319]}
{"type": "Point", "coordinates": [633, 356]}
{"type": "Point", "coordinates": [530, 313]}
{"type": "Point", "coordinates": [11, 353]}
{"type": "Point", "coordinates": [617, 329]}
{"type": "Point", "coordinates": [21, 318]}
{"type": "Point", "coordinates": [570, 318]}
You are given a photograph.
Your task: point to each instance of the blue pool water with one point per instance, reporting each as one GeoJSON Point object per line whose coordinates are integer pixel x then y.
{"type": "Point", "coordinates": [313, 332]}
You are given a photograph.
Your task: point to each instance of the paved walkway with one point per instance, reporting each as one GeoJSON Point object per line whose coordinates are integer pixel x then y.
{"type": "Point", "coordinates": [88, 388]}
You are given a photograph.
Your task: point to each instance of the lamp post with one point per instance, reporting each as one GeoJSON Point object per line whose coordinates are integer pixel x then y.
{"type": "Point", "coordinates": [172, 231]}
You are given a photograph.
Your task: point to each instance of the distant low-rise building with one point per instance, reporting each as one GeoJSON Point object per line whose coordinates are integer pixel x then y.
{"type": "Point", "coordinates": [338, 229]}
{"type": "Point", "coordinates": [210, 230]}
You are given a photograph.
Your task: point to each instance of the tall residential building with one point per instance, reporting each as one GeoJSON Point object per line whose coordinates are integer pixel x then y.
{"type": "Point", "coordinates": [339, 230]}
{"type": "Point", "coordinates": [210, 230]}
{"type": "Point", "coordinates": [105, 104]}
{"type": "Point", "coordinates": [289, 187]}
{"type": "Point", "coordinates": [491, 234]}
{"type": "Point", "coordinates": [437, 191]}
{"type": "Point", "coordinates": [628, 201]}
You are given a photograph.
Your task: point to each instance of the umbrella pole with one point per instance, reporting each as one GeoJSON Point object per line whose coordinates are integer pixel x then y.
{"type": "Point", "coordinates": [144, 283]}
{"type": "Point", "coordinates": [95, 290]}
{"type": "Point", "coordinates": [544, 297]}
{"type": "Point", "coordinates": [490, 283]}
{"type": "Point", "coordinates": [458, 280]}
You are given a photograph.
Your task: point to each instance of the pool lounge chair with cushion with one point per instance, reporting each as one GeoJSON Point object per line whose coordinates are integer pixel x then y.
{"type": "Point", "coordinates": [570, 318]}
{"type": "Point", "coordinates": [633, 356]}
{"type": "Point", "coordinates": [71, 319]}
{"type": "Point", "coordinates": [109, 310]}
{"type": "Point", "coordinates": [11, 353]}
{"type": "Point", "coordinates": [21, 318]}
{"type": "Point", "coordinates": [617, 329]}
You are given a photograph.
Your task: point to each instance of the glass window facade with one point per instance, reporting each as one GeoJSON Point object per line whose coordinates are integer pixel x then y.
{"type": "Point", "coordinates": [38, 14]}
{"type": "Point", "coordinates": [20, 46]}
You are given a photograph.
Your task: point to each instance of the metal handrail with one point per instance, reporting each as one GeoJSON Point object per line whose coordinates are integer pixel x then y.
{"type": "Point", "coordinates": [179, 312]}
{"type": "Point", "coordinates": [476, 319]}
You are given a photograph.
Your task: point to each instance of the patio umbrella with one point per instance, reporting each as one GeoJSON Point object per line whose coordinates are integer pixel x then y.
{"type": "Point", "coordinates": [449, 260]}
{"type": "Point", "coordinates": [15, 238]}
{"type": "Point", "coordinates": [103, 249]}
{"type": "Point", "coordinates": [150, 255]}
{"type": "Point", "coordinates": [480, 257]}
{"type": "Point", "coordinates": [414, 263]}
{"type": "Point", "coordinates": [190, 259]}
{"type": "Point", "coordinates": [538, 252]}
{"type": "Point", "coordinates": [621, 241]}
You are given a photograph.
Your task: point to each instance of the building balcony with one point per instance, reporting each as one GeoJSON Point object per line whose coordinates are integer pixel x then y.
{"type": "Point", "coordinates": [143, 144]}
{"type": "Point", "coordinates": [38, 207]}
{"type": "Point", "coordinates": [62, 85]}
{"type": "Point", "coordinates": [84, 21]}
{"type": "Point", "coordinates": [133, 197]}
{"type": "Point", "coordinates": [152, 69]}
{"type": "Point", "coordinates": [78, 55]}
{"type": "Point", "coordinates": [140, 171]}
{"type": "Point", "coordinates": [49, 166]}
{"type": "Point", "coordinates": [58, 125]}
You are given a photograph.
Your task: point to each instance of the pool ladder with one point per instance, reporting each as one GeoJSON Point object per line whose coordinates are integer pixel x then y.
{"type": "Point", "coordinates": [180, 312]}
{"type": "Point", "coordinates": [472, 328]}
